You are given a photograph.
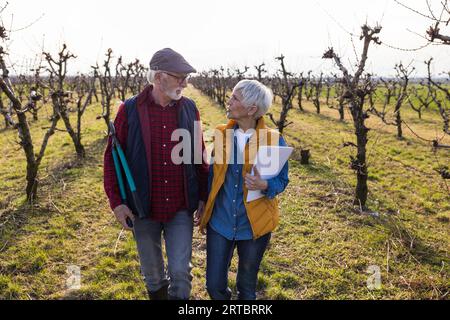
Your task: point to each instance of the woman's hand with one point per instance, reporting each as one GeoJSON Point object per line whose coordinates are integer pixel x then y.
{"type": "Point", "coordinates": [255, 182]}
{"type": "Point", "coordinates": [199, 213]}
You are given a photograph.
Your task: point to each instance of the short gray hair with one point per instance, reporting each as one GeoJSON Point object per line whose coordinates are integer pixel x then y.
{"type": "Point", "coordinates": [254, 93]}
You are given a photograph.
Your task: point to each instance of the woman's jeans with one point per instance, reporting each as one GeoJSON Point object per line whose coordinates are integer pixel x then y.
{"type": "Point", "coordinates": [219, 254]}
{"type": "Point", "coordinates": [178, 240]}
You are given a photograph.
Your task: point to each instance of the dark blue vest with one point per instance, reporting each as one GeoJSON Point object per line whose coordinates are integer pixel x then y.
{"type": "Point", "coordinates": [137, 156]}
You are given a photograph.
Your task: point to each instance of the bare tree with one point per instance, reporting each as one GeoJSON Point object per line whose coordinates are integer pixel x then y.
{"type": "Point", "coordinates": [138, 81]}
{"type": "Point", "coordinates": [28, 89]}
{"type": "Point", "coordinates": [439, 17]}
{"type": "Point", "coordinates": [106, 86]}
{"type": "Point", "coordinates": [57, 69]}
{"type": "Point", "coordinates": [391, 87]}
{"type": "Point", "coordinates": [357, 88]}
{"type": "Point", "coordinates": [308, 87]}
{"type": "Point", "coordinates": [204, 83]}
{"type": "Point", "coordinates": [421, 100]}
{"type": "Point", "coordinates": [440, 95]}
{"type": "Point", "coordinates": [285, 90]}
{"type": "Point", "coordinates": [435, 35]}
{"type": "Point", "coordinates": [6, 112]}
{"type": "Point", "coordinates": [129, 77]}
{"type": "Point", "coordinates": [223, 83]}
{"type": "Point", "coordinates": [122, 78]}
{"type": "Point", "coordinates": [434, 31]}
{"type": "Point", "coordinates": [339, 97]}
{"type": "Point", "coordinates": [260, 71]}
{"type": "Point", "coordinates": [328, 85]}
{"type": "Point", "coordinates": [24, 134]}
{"type": "Point", "coordinates": [317, 85]}
{"type": "Point", "coordinates": [241, 73]}
{"type": "Point", "coordinates": [84, 89]}
{"type": "Point", "coordinates": [301, 85]}
{"type": "Point", "coordinates": [403, 75]}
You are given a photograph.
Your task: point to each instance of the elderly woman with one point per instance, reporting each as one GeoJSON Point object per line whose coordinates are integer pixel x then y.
{"type": "Point", "coordinates": [230, 221]}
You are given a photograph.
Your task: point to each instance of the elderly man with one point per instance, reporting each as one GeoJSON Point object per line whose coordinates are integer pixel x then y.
{"type": "Point", "coordinates": [170, 193]}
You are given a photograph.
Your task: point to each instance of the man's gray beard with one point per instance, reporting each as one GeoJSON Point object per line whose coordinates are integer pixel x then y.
{"type": "Point", "coordinates": [173, 95]}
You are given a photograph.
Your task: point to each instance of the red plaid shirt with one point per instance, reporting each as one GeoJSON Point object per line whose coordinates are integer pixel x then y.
{"type": "Point", "coordinates": [167, 179]}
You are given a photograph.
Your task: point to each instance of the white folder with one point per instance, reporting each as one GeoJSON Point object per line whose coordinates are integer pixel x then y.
{"type": "Point", "coordinates": [269, 162]}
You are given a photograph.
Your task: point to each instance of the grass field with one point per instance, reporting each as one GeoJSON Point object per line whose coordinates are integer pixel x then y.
{"type": "Point", "coordinates": [321, 250]}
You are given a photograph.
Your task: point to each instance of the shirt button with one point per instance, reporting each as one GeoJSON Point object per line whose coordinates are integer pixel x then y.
{"type": "Point", "coordinates": [164, 127]}
{"type": "Point", "coordinates": [234, 201]}
{"type": "Point", "coordinates": [165, 163]}
{"type": "Point", "coordinates": [236, 186]}
{"type": "Point", "coordinates": [167, 199]}
{"type": "Point", "coordinates": [164, 145]}
{"type": "Point", "coordinates": [166, 182]}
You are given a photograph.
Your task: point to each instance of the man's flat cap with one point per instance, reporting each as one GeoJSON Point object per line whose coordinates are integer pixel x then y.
{"type": "Point", "coordinates": [171, 61]}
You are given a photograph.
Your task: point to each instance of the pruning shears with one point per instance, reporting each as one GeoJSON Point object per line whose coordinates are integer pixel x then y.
{"type": "Point", "coordinates": [120, 162]}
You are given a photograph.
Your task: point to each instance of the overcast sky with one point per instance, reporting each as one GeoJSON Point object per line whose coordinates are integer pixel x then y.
{"type": "Point", "coordinates": [231, 33]}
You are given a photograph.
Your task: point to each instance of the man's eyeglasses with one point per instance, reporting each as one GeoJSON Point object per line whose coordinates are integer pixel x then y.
{"type": "Point", "coordinates": [180, 79]}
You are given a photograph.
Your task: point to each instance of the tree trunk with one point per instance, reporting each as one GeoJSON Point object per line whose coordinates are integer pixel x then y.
{"type": "Point", "coordinates": [79, 148]}
{"type": "Point", "coordinates": [359, 165]}
{"type": "Point", "coordinates": [107, 110]}
{"type": "Point", "coordinates": [316, 102]}
{"type": "Point", "coordinates": [32, 166]}
{"type": "Point", "coordinates": [398, 122]}
{"type": "Point", "coordinates": [7, 125]}
{"type": "Point", "coordinates": [341, 109]}
{"type": "Point", "coordinates": [304, 157]}
{"type": "Point", "coordinates": [282, 120]}
{"type": "Point", "coordinates": [32, 182]}
{"type": "Point", "coordinates": [300, 98]}
{"type": "Point", "coordinates": [328, 95]}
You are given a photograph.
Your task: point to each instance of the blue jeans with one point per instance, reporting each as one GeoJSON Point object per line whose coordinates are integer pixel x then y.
{"type": "Point", "coordinates": [219, 254]}
{"type": "Point", "coordinates": [178, 240]}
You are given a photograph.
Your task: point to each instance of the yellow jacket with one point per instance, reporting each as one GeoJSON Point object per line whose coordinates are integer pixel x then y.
{"type": "Point", "coordinates": [263, 213]}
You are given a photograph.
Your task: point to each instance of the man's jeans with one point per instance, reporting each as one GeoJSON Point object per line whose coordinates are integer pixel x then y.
{"type": "Point", "coordinates": [178, 240]}
{"type": "Point", "coordinates": [219, 254]}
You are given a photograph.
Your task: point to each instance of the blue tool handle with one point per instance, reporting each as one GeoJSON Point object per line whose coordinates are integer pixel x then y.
{"type": "Point", "coordinates": [121, 185]}
{"type": "Point", "coordinates": [125, 167]}
{"type": "Point", "coordinates": [119, 175]}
